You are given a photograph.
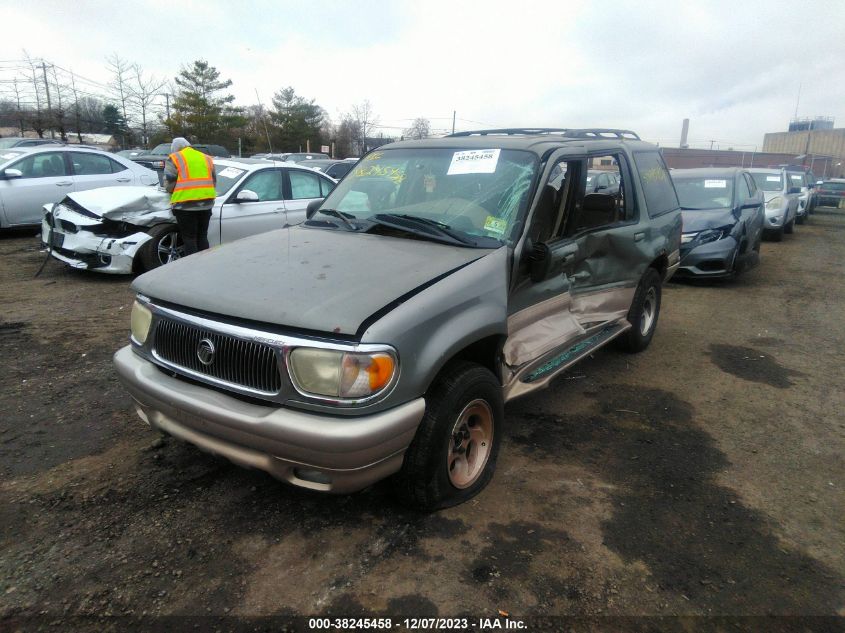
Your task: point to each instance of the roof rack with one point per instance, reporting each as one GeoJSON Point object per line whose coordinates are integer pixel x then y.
{"type": "Point", "coordinates": [595, 133]}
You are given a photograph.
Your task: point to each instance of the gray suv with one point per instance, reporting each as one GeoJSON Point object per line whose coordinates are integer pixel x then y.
{"type": "Point", "coordinates": [440, 279]}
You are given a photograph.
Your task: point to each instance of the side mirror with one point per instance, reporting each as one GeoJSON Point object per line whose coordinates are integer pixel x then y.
{"type": "Point", "coordinates": [246, 195]}
{"type": "Point", "coordinates": [312, 207]}
{"type": "Point", "coordinates": [751, 204]}
{"type": "Point", "coordinates": [794, 190]}
{"type": "Point", "coordinates": [12, 173]}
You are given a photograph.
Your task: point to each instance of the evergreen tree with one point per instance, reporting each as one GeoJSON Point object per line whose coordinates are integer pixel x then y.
{"type": "Point", "coordinates": [202, 111]}
{"type": "Point", "coordinates": [296, 120]}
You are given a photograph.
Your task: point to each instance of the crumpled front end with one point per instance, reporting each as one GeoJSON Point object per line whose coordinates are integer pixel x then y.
{"type": "Point", "coordinates": [85, 241]}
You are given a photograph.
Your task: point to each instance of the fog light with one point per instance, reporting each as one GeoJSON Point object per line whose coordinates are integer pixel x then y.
{"type": "Point", "coordinates": [314, 476]}
{"type": "Point", "coordinates": [774, 220]}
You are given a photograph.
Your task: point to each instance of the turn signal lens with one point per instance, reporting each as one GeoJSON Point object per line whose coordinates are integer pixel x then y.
{"type": "Point", "coordinates": [140, 320]}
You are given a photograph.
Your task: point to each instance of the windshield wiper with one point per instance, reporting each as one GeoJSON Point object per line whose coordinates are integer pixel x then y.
{"type": "Point", "coordinates": [389, 219]}
{"type": "Point", "coordinates": [695, 208]}
{"type": "Point", "coordinates": [340, 215]}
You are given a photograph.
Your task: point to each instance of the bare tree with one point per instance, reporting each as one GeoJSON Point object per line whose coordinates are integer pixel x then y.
{"type": "Point", "coordinates": [365, 119]}
{"type": "Point", "coordinates": [18, 111]}
{"type": "Point", "coordinates": [420, 128]}
{"type": "Point", "coordinates": [120, 70]}
{"type": "Point", "coordinates": [59, 113]}
{"type": "Point", "coordinates": [143, 91]}
{"type": "Point", "coordinates": [76, 113]}
{"type": "Point", "coordinates": [38, 119]}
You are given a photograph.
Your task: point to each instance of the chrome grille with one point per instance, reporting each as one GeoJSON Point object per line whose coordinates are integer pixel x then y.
{"type": "Point", "coordinates": [246, 364]}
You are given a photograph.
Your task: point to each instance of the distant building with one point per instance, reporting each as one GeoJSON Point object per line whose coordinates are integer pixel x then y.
{"type": "Point", "coordinates": [816, 123]}
{"type": "Point", "coordinates": [822, 150]}
{"type": "Point", "coordinates": [685, 158]}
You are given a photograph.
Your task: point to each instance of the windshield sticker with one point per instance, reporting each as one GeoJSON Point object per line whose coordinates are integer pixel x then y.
{"type": "Point", "coordinates": [231, 172]}
{"type": "Point", "coordinates": [772, 178]}
{"type": "Point", "coordinates": [374, 156]}
{"type": "Point", "coordinates": [474, 161]}
{"type": "Point", "coordinates": [430, 183]}
{"type": "Point", "coordinates": [655, 174]}
{"type": "Point", "coordinates": [495, 225]}
{"type": "Point", "coordinates": [715, 184]}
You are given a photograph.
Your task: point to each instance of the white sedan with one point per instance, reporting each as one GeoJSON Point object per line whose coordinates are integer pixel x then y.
{"type": "Point", "coordinates": [33, 176]}
{"type": "Point", "coordinates": [131, 229]}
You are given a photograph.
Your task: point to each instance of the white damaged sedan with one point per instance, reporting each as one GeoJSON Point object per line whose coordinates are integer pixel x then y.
{"type": "Point", "coordinates": [122, 230]}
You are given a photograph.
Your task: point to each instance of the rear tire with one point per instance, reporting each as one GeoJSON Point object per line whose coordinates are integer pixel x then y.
{"type": "Point", "coordinates": [801, 218]}
{"type": "Point", "coordinates": [453, 455]}
{"type": "Point", "coordinates": [165, 246]}
{"type": "Point", "coordinates": [645, 309]}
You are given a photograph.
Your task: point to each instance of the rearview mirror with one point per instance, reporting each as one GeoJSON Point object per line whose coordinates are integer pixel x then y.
{"type": "Point", "coordinates": [12, 173]}
{"type": "Point", "coordinates": [246, 195]}
{"type": "Point", "coordinates": [312, 207]}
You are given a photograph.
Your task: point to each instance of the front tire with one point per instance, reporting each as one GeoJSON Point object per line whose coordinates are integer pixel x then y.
{"type": "Point", "coordinates": [789, 228]}
{"type": "Point", "coordinates": [165, 246]}
{"type": "Point", "coordinates": [453, 455]}
{"type": "Point", "coordinates": [645, 309]}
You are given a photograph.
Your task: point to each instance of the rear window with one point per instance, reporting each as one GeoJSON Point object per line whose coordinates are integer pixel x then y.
{"type": "Point", "coordinates": [834, 186]}
{"type": "Point", "coordinates": [657, 186]}
{"type": "Point", "coordinates": [768, 182]}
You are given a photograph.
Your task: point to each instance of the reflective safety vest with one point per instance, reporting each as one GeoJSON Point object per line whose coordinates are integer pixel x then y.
{"type": "Point", "coordinates": [194, 179]}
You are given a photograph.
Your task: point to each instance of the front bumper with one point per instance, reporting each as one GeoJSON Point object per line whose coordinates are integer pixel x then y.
{"type": "Point", "coordinates": [87, 251]}
{"type": "Point", "coordinates": [320, 452]}
{"type": "Point", "coordinates": [713, 259]}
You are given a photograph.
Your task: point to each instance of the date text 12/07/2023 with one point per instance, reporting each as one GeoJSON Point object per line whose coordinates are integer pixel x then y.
{"type": "Point", "coordinates": [411, 624]}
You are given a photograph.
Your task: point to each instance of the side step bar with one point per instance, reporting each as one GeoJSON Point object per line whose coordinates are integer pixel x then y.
{"type": "Point", "coordinates": [540, 373]}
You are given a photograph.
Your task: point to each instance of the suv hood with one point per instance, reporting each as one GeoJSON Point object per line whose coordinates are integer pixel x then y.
{"type": "Point", "coordinates": [695, 221]}
{"type": "Point", "coordinates": [312, 279]}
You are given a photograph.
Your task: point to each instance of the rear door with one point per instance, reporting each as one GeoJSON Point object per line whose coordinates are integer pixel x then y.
{"type": "Point", "coordinates": [46, 179]}
{"type": "Point", "coordinates": [242, 218]}
{"type": "Point", "coordinates": [91, 171]}
{"type": "Point", "coordinates": [302, 187]}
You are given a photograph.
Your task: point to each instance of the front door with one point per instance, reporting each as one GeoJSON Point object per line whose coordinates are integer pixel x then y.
{"type": "Point", "coordinates": [45, 180]}
{"type": "Point", "coordinates": [242, 218]}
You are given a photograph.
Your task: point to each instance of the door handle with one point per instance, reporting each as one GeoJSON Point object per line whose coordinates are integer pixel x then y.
{"type": "Point", "coordinates": [638, 237]}
{"type": "Point", "coordinates": [64, 183]}
{"type": "Point", "coordinates": [582, 275]}
{"type": "Point", "coordinates": [123, 179]}
{"type": "Point", "coordinates": [279, 210]}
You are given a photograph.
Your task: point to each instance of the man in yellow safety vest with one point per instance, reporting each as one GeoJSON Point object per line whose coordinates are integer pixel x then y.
{"type": "Point", "coordinates": [189, 178]}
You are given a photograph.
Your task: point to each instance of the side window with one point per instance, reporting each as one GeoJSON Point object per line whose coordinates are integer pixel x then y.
{"type": "Point", "coordinates": [304, 185]}
{"type": "Point", "coordinates": [85, 164]}
{"type": "Point", "coordinates": [602, 199]}
{"type": "Point", "coordinates": [117, 167]}
{"type": "Point", "coordinates": [657, 186]}
{"type": "Point", "coordinates": [266, 183]}
{"type": "Point", "coordinates": [325, 187]}
{"type": "Point", "coordinates": [743, 192]}
{"type": "Point", "coordinates": [44, 165]}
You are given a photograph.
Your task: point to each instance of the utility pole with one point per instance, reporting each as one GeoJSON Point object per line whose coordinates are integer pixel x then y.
{"type": "Point", "coordinates": [76, 107]}
{"type": "Point", "coordinates": [454, 114]}
{"type": "Point", "coordinates": [167, 104]}
{"type": "Point", "coordinates": [47, 88]}
{"type": "Point", "coordinates": [711, 144]}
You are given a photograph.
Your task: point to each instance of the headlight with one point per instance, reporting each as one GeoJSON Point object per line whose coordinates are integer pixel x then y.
{"type": "Point", "coordinates": [774, 203]}
{"type": "Point", "coordinates": [338, 374]}
{"type": "Point", "coordinates": [710, 235]}
{"type": "Point", "coordinates": [140, 322]}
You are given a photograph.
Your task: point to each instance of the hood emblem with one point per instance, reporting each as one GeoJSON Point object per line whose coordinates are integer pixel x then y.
{"type": "Point", "coordinates": [205, 351]}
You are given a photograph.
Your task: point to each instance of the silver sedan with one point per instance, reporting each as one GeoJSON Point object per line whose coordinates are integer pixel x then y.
{"type": "Point", "coordinates": [31, 177]}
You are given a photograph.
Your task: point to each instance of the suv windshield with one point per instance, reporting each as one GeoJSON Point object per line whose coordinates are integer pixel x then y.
{"type": "Point", "coordinates": [481, 193]}
{"type": "Point", "coordinates": [704, 192]}
{"type": "Point", "coordinates": [163, 149]}
{"type": "Point", "coordinates": [768, 182]}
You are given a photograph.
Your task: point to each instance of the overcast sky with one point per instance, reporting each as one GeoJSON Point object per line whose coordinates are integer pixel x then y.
{"type": "Point", "coordinates": [733, 68]}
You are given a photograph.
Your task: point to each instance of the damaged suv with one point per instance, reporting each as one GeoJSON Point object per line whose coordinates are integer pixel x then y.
{"type": "Point", "coordinates": [382, 337]}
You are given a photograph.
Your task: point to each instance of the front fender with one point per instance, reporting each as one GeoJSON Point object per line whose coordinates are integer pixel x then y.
{"type": "Point", "coordinates": [429, 329]}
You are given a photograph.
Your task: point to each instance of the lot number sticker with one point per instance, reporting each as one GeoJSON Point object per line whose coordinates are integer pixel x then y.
{"type": "Point", "coordinates": [474, 161]}
{"type": "Point", "coordinates": [231, 172]}
{"type": "Point", "coordinates": [715, 184]}
{"type": "Point", "coordinates": [773, 178]}
{"type": "Point", "coordinates": [495, 225]}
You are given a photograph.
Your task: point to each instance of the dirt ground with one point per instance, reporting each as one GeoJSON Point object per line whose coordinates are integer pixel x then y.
{"type": "Point", "coordinates": [702, 477]}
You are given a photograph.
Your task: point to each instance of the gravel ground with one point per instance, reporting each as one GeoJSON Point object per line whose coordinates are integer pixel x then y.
{"type": "Point", "coordinates": [702, 477]}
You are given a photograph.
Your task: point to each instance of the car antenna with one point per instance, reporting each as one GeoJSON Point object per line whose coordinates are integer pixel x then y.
{"type": "Point", "coordinates": [264, 121]}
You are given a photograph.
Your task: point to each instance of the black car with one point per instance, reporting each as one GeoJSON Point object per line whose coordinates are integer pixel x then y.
{"type": "Point", "coordinates": [336, 169]}
{"type": "Point", "coordinates": [830, 193]}
{"type": "Point", "coordinates": [723, 216]}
